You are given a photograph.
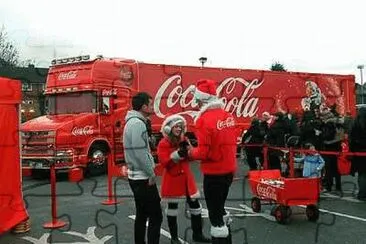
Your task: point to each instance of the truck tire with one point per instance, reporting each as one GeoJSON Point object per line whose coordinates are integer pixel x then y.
{"type": "Point", "coordinates": [97, 164]}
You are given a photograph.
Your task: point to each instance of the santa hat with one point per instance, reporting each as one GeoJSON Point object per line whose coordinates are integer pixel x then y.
{"type": "Point", "coordinates": [205, 89]}
{"type": "Point", "coordinates": [172, 121]}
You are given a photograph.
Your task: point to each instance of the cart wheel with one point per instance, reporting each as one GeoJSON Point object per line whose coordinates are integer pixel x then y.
{"type": "Point", "coordinates": [256, 204]}
{"type": "Point", "coordinates": [312, 212]}
{"type": "Point", "coordinates": [282, 214]}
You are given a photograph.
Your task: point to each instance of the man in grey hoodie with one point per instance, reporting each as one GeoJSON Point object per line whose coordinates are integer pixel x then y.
{"type": "Point", "coordinates": [141, 174]}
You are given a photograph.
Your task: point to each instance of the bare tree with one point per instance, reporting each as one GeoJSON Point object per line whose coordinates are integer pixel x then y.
{"type": "Point", "coordinates": [9, 55]}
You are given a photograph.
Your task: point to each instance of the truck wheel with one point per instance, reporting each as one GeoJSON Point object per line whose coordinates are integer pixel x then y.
{"type": "Point", "coordinates": [312, 212]}
{"type": "Point", "coordinates": [97, 161]}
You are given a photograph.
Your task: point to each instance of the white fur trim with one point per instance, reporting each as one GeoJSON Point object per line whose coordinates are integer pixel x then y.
{"type": "Point", "coordinates": [195, 211]}
{"type": "Point", "coordinates": [218, 232]}
{"type": "Point", "coordinates": [195, 195]}
{"type": "Point", "coordinates": [169, 119]}
{"type": "Point", "coordinates": [175, 156]}
{"type": "Point", "coordinates": [200, 95]}
{"type": "Point", "coordinates": [171, 212]}
{"type": "Point", "coordinates": [213, 104]}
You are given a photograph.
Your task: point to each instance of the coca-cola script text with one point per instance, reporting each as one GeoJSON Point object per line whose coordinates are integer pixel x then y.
{"type": "Point", "coordinates": [173, 94]}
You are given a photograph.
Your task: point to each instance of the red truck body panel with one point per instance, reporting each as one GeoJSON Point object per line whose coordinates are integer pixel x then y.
{"type": "Point", "coordinates": [246, 93]}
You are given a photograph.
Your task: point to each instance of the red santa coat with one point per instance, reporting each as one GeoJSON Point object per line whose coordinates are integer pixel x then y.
{"type": "Point", "coordinates": [217, 140]}
{"type": "Point", "coordinates": [177, 178]}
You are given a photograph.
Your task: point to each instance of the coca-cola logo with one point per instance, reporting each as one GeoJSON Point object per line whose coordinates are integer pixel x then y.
{"type": "Point", "coordinates": [171, 93]}
{"type": "Point", "coordinates": [222, 124]}
{"type": "Point", "coordinates": [82, 131]}
{"type": "Point", "coordinates": [109, 92]}
{"type": "Point", "coordinates": [67, 75]}
{"type": "Point", "coordinates": [266, 191]}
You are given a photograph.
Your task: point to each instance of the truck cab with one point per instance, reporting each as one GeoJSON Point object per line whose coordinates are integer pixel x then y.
{"type": "Point", "coordinates": [86, 102]}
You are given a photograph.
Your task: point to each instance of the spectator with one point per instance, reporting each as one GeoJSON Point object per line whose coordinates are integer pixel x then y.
{"type": "Point", "coordinates": [254, 135]}
{"type": "Point", "coordinates": [276, 137]}
{"type": "Point", "coordinates": [313, 162]}
{"type": "Point", "coordinates": [141, 174]}
{"type": "Point", "coordinates": [357, 141]}
{"type": "Point", "coordinates": [333, 135]}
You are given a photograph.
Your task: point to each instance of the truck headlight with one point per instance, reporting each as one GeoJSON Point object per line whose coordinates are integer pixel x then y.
{"type": "Point", "coordinates": [65, 153]}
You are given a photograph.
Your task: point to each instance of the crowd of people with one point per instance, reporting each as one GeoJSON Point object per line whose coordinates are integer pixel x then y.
{"type": "Point", "coordinates": [215, 150]}
{"type": "Point", "coordinates": [317, 131]}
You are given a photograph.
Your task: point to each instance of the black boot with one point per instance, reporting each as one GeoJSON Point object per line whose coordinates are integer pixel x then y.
{"type": "Point", "coordinates": [196, 222]}
{"type": "Point", "coordinates": [173, 228]}
{"type": "Point", "coordinates": [220, 240]}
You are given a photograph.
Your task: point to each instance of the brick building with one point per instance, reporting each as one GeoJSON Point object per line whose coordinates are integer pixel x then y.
{"type": "Point", "coordinates": [33, 84]}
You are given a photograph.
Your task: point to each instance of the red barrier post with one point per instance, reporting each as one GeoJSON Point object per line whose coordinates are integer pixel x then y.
{"type": "Point", "coordinates": [55, 223]}
{"type": "Point", "coordinates": [291, 162]}
{"type": "Point", "coordinates": [112, 199]}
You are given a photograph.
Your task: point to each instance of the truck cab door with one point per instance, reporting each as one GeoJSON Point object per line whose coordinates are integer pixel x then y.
{"type": "Point", "coordinates": [121, 105]}
{"type": "Point", "coordinates": [106, 127]}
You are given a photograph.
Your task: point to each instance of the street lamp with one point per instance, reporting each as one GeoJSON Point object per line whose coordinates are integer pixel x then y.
{"type": "Point", "coordinates": [361, 66]}
{"type": "Point", "coordinates": [203, 60]}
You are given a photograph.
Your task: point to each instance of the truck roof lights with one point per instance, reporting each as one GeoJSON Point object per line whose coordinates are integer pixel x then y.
{"type": "Point", "coordinates": [77, 59]}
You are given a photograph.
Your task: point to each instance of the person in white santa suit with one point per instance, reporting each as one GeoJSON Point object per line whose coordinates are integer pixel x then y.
{"type": "Point", "coordinates": [217, 146]}
{"type": "Point", "coordinates": [177, 180]}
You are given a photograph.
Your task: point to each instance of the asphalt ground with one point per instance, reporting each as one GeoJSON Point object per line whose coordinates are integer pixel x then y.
{"type": "Point", "coordinates": [342, 218]}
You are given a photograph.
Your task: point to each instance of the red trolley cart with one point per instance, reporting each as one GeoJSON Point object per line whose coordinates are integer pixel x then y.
{"type": "Point", "coordinates": [268, 185]}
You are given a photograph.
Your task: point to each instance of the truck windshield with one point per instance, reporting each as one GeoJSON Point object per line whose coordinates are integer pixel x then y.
{"type": "Point", "coordinates": [71, 103]}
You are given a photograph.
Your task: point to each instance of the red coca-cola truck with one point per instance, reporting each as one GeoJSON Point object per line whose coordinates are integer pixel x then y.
{"type": "Point", "coordinates": [87, 100]}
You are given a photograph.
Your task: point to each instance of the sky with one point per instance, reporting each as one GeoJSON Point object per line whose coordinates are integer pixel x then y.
{"type": "Point", "coordinates": [319, 36]}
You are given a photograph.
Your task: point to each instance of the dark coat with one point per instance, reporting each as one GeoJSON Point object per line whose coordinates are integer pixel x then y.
{"type": "Point", "coordinates": [277, 132]}
{"type": "Point", "coordinates": [357, 141]}
{"type": "Point", "coordinates": [255, 134]}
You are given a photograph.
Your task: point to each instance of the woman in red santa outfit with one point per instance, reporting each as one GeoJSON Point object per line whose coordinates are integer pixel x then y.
{"type": "Point", "coordinates": [177, 180]}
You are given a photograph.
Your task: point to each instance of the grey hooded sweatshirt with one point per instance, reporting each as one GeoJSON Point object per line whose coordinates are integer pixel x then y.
{"type": "Point", "coordinates": [137, 151]}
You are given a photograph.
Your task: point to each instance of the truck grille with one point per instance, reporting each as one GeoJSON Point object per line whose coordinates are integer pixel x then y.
{"type": "Point", "coordinates": [40, 143]}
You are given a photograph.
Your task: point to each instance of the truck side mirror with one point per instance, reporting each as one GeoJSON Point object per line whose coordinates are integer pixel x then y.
{"type": "Point", "coordinates": [106, 106]}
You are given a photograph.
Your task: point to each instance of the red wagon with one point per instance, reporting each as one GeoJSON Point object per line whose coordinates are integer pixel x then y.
{"type": "Point", "coordinates": [268, 185]}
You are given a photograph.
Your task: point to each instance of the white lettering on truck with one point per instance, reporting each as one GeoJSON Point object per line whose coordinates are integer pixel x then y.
{"type": "Point", "coordinates": [244, 106]}
{"type": "Point", "coordinates": [79, 131]}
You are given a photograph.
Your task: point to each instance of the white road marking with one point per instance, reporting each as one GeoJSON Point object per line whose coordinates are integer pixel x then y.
{"type": "Point", "coordinates": [162, 231]}
{"type": "Point", "coordinates": [89, 237]}
{"type": "Point", "coordinates": [270, 217]}
{"type": "Point", "coordinates": [339, 214]}
{"type": "Point", "coordinates": [265, 214]}
{"type": "Point", "coordinates": [333, 196]}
